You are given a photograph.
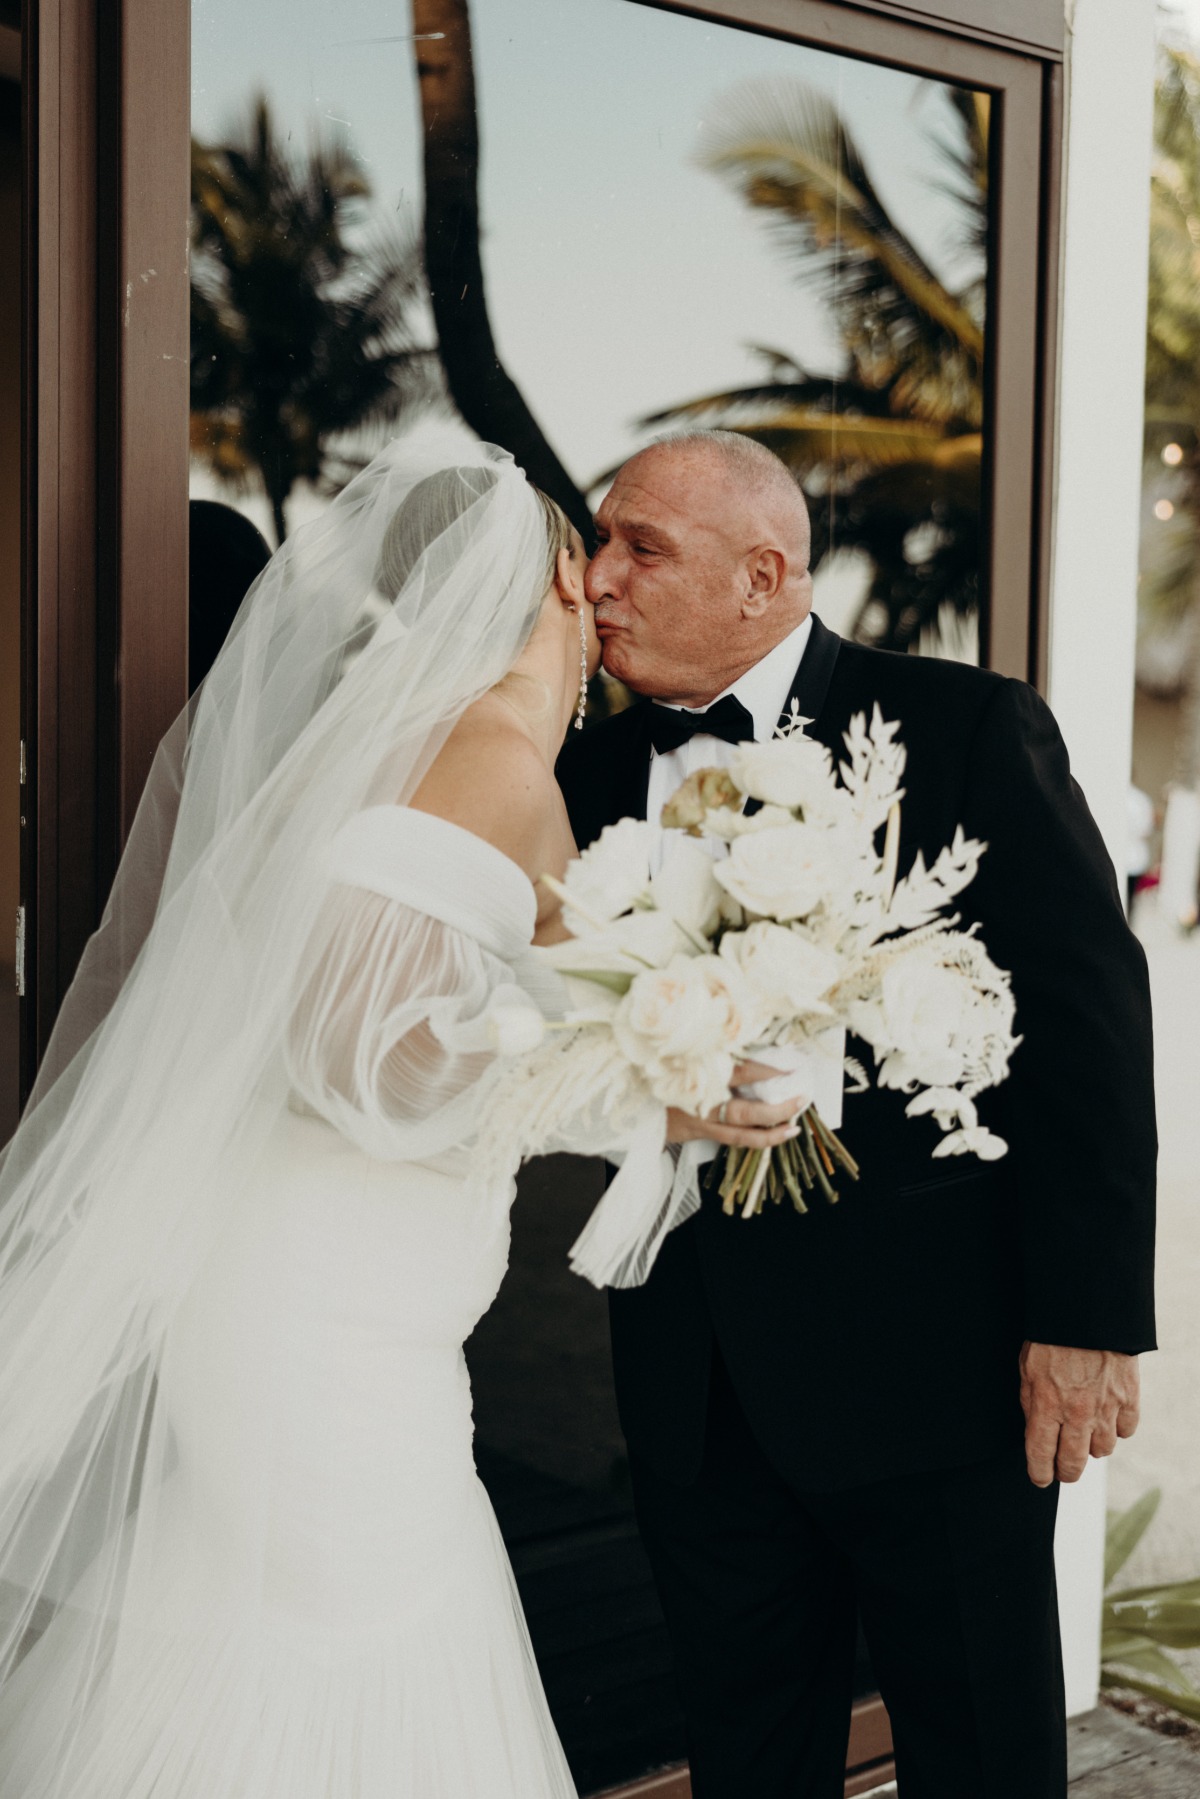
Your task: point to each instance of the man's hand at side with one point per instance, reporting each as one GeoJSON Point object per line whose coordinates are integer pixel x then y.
{"type": "Point", "coordinates": [1077, 1402]}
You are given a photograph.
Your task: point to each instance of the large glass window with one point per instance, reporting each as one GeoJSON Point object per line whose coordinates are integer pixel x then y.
{"type": "Point", "coordinates": [677, 220]}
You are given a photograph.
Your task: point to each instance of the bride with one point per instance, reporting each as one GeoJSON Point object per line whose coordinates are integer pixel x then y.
{"type": "Point", "coordinates": [243, 1550]}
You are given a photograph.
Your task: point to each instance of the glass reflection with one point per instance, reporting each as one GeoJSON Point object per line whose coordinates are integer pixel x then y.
{"type": "Point", "coordinates": [566, 228]}
{"type": "Point", "coordinates": [775, 238]}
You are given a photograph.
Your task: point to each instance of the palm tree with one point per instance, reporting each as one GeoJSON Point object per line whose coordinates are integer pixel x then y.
{"type": "Point", "coordinates": [482, 389]}
{"type": "Point", "coordinates": [303, 341]}
{"type": "Point", "coordinates": [889, 447]}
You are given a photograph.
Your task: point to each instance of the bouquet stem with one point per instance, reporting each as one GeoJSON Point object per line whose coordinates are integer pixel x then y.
{"type": "Point", "coordinates": [806, 1164]}
{"type": "Point", "coordinates": [754, 1198]}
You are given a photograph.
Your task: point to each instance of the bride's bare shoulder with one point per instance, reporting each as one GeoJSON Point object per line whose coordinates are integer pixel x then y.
{"type": "Point", "coordinates": [490, 779]}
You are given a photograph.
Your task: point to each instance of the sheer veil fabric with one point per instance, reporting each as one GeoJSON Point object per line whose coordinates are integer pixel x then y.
{"type": "Point", "coordinates": [264, 969]}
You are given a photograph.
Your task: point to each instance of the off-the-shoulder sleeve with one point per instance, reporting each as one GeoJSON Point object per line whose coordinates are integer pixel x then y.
{"type": "Point", "coordinates": [423, 939]}
{"type": "Point", "coordinates": [415, 946]}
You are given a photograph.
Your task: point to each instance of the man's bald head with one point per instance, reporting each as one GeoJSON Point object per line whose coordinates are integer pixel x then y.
{"type": "Point", "coordinates": [702, 566]}
{"type": "Point", "coordinates": [746, 470]}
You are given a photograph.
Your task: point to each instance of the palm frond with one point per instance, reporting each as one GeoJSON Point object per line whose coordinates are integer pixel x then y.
{"type": "Point", "coordinates": [962, 150]}
{"type": "Point", "coordinates": [888, 449]}
{"type": "Point", "coordinates": [308, 327]}
{"type": "Point", "coordinates": [1140, 1624]}
{"type": "Point", "coordinates": [828, 425]}
{"type": "Point", "coordinates": [787, 149]}
{"type": "Point", "coordinates": [826, 393]}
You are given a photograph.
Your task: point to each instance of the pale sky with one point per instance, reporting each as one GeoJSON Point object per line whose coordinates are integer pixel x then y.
{"type": "Point", "coordinates": [1184, 12]}
{"type": "Point", "coordinates": [621, 276]}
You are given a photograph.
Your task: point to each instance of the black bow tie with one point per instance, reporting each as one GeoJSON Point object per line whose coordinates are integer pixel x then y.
{"type": "Point", "coordinates": [728, 719]}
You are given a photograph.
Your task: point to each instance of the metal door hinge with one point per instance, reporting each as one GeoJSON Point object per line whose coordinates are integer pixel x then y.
{"type": "Point", "coordinates": [21, 951]}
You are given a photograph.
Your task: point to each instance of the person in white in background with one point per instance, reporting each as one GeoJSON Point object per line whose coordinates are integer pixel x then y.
{"type": "Point", "coordinates": [1177, 892]}
{"type": "Point", "coordinates": [1141, 830]}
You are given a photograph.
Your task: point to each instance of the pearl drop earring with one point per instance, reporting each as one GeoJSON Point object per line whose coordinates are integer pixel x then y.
{"type": "Point", "coordinates": [583, 674]}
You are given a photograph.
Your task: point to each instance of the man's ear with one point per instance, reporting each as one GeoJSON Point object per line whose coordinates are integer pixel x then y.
{"type": "Point", "coordinates": [766, 572]}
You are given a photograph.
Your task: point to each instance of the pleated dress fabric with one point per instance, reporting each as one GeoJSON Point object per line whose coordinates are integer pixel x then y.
{"type": "Point", "coordinates": [316, 1602]}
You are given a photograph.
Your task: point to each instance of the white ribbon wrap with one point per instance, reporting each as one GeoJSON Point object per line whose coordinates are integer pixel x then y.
{"type": "Point", "coordinates": [653, 1190]}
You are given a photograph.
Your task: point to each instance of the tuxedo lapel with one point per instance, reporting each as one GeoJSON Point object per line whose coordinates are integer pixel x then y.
{"type": "Point", "coordinates": [632, 773]}
{"type": "Point", "coordinates": [811, 683]}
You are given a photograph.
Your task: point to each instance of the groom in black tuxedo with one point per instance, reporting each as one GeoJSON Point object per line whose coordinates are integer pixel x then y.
{"type": "Point", "coordinates": [867, 1409]}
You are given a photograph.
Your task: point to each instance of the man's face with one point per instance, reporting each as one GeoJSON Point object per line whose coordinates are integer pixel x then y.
{"type": "Point", "coordinates": [668, 579]}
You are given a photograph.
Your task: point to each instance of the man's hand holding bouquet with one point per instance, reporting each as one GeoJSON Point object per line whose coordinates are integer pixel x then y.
{"type": "Point", "coordinates": [786, 931]}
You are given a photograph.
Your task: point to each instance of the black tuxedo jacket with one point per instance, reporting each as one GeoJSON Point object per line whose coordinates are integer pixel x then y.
{"type": "Point", "coordinates": [880, 1336]}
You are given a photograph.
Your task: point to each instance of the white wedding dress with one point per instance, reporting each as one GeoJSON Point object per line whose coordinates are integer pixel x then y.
{"type": "Point", "coordinates": [259, 1197]}
{"type": "Point", "coordinates": [321, 1606]}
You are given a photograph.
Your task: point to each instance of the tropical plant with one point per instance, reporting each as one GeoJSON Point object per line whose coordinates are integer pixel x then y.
{"type": "Point", "coordinates": [487, 397]}
{"type": "Point", "coordinates": [888, 448]}
{"type": "Point", "coordinates": [304, 318]}
{"type": "Point", "coordinates": [1140, 1624]}
{"type": "Point", "coordinates": [1170, 576]}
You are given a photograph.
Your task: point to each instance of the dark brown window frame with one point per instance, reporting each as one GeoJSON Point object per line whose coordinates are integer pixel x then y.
{"type": "Point", "coordinates": [106, 118]}
{"type": "Point", "coordinates": [1027, 24]}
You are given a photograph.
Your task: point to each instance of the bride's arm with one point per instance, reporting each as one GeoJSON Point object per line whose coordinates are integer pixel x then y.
{"type": "Point", "coordinates": [389, 1037]}
{"type": "Point", "coordinates": [386, 986]}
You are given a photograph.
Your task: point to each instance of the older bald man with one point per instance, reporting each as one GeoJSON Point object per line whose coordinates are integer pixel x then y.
{"type": "Point", "coordinates": [866, 1411]}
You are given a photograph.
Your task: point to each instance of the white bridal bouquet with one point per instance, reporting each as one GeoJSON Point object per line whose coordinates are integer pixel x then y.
{"type": "Point", "coordinates": [771, 950]}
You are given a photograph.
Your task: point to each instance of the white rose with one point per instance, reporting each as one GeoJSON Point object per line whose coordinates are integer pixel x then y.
{"type": "Point", "coordinates": [693, 1005]}
{"type": "Point", "coordinates": [685, 887]}
{"type": "Point", "coordinates": [683, 1026]}
{"type": "Point", "coordinates": [613, 873]}
{"type": "Point", "coordinates": [697, 1085]}
{"type": "Point", "coordinates": [786, 771]}
{"type": "Point", "coordinates": [789, 973]}
{"type": "Point", "coordinates": [782, 873]}
{"type": "Point", "coordinates": [928, 1018]}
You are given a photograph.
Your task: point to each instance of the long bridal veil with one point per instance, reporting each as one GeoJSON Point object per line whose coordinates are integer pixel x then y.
{"type": "Point", "coordinates": [355, 652]}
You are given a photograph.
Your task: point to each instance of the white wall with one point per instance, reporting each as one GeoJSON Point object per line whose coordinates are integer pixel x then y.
{"type": "Point", "coordinates": [1110, 84]}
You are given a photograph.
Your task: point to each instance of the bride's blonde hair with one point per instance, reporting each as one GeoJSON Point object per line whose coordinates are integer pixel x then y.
{"type": "Point", "coordinates": [558, 531]}
{"type": "Point", "coordinates": [433, 507]}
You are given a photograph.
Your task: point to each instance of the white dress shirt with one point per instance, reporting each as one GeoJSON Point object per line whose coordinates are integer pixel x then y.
{"type": "Point", "coordinates": [763, 691]}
